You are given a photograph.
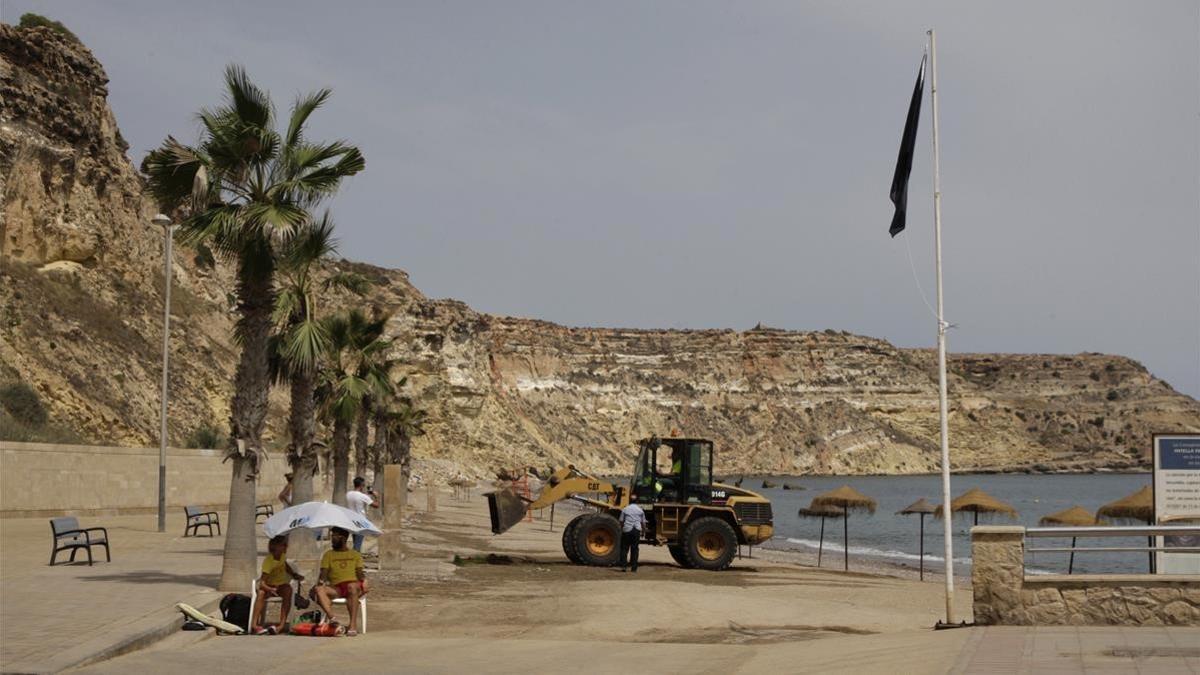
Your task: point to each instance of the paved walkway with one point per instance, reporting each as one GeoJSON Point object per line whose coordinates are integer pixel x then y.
{"type": "Point", "coordinates": [983, 651]}
{"type": "Point", "coordinates": [1083, 649]}
{"type": "Point", "coordinates": [43, 608]}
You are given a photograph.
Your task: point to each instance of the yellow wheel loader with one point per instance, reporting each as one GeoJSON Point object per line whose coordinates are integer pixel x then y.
{"type": "Point", "coordinates": [699, 521]}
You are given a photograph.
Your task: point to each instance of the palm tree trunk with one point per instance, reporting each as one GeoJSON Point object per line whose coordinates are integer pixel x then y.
{"type": "Point", "coordinates": [404, 445]}
{"type": "Point", "coordinates": [361, 437]}
{"type": "Point", "coordinates": [379, 447]}
{"type": "Point", "coordinates": [248, 412]}
{"type": "Point", "coordinates": [341, 459]}
{"type": "Point", "coordinates": [302, 427]}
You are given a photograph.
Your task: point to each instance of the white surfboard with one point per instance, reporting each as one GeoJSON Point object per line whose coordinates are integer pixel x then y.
{"type": "Point", "coordinates": [223, 626]}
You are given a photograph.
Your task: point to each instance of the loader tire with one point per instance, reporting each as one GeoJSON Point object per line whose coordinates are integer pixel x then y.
{"type": "Point", "coordinates": [678, 555]}
{"type": "Point", "coordinates": [709, 543]}
{"type": "Point", "coordinates": [598, 540]}
{"type": "Point", "coordinates": [568, 539]}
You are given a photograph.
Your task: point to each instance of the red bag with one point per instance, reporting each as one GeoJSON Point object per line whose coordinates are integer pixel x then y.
{"type": "Point", "coordinates": [318, 629]}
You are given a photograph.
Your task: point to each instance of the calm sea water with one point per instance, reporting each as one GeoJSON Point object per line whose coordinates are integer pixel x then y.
{"type": "Point", "coordinates": [893, 538]}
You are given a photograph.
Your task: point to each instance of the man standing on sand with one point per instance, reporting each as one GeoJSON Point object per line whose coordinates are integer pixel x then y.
{"type": "Point", "coordinates": [358, 500]}
{"type": "Point", "coordinates": [342, 576]}
{"type": "Point", "coordinates": [633, 521]}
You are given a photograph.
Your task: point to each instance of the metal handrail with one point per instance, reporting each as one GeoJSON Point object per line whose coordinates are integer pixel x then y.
{"type": "Point", "coordinates": [1131, 531]}
{"type": "Point", "coordinates": [1148, 531]}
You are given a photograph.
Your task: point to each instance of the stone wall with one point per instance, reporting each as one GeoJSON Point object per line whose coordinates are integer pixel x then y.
{"type": "Point", "coordinates": [43, 480]}
{"type": "Point", "coordinates": [1005, 596]}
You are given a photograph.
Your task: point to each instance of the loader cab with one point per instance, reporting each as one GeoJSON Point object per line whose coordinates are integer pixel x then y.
{"type": "Point", "coordinates": [674, 470]}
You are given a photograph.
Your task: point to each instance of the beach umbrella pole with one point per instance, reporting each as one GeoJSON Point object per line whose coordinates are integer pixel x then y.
{"type": "Point", "coordinates": [1071, 562]}
{"type": "Point", "coordinates": [922, 548]}
{"type": "Point", "coordinates": [846, 537]}
{"type": "Point", "coordinates": [821, 542]}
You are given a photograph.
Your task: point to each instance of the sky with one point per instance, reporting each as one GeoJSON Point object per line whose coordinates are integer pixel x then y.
{"type": "Point", "coordinates": [720, 164]}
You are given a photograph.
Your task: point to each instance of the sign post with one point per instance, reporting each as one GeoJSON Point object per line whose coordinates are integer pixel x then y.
{"type": "Point", "coordinates": [1177, 498]}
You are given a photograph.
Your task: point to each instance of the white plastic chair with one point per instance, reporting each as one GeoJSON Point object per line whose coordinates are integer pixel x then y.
{"type": "Point", "coordinates": [254, 599]}
{"type": "Point", "coordinates": [362, 603]}
{"type": "Point", "coordinates": [362, 611]}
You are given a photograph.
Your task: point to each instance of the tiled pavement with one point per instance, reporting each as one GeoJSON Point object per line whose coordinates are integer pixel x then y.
{"type": "Point", "coordinates": [1083, 649]}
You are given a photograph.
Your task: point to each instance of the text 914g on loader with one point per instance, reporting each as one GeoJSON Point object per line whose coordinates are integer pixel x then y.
{"type": "Point", "coordinates": [700, 522]}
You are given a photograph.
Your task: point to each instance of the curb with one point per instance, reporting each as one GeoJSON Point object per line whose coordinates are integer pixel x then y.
{"type": "Point", "coordinates": [122, 639]}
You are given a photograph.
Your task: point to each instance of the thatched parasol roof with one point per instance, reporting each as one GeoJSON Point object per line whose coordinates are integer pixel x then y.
{"type": "Point", "coordinates": [977, 501]}
{"type": "Point", "coordinates": [821, 512]}
{"type": "Point", "coordinates": [1076, 516]}
{"type": "Point", "coordinates": [919, 506]}
{"type": "Point", "coordinates": [844, 497]}
{"type": "Point", "coordinates": [1137, 506]}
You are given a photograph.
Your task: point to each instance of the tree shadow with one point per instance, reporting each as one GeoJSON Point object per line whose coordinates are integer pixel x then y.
{"type": "Point", "coordinates": [158, 577]}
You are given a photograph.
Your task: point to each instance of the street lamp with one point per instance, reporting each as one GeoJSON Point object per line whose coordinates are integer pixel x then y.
{"type": "Point", "coordinates": [168, 229]}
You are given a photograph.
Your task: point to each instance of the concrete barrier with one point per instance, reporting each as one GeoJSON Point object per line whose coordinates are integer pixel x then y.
{"type": "Point", "coordinates": [46, 479]}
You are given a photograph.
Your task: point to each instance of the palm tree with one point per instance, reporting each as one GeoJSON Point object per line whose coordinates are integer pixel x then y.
{"type": "Point", "coordinates": [299, 343]}
{"type": "Point", "coordinates": [245, 190]}
{"type": "Point", "coordinates": [377, 452]}
{"type": "Point", "coordinates": [356, 368]}
{"type": "Point", "coordinates": [403, 423]}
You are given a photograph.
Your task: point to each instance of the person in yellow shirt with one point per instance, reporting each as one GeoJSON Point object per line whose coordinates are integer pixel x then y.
{"type": "Point", "coordinates": [342, 576]}
{"type": "Point", "coordinates": [276, 581]}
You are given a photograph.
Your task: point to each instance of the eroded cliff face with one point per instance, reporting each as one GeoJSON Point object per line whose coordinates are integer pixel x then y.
{"type": "Point", "coordinates": [80, 292]}
{"type": "Point", "coordinates": [775, 401]}
{"type": "Point", "coordinates": [81, 267]}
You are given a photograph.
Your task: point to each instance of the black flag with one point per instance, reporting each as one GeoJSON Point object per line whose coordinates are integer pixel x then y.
{"type": "Point", "coordinates": [904, 160]}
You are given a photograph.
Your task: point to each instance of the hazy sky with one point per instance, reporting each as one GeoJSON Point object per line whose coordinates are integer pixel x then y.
{"type": "Point", "coordinates": [717, 164]}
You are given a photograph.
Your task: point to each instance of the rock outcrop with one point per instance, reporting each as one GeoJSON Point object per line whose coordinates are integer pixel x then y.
{"type": "Point", "coordinates": [81, 282]}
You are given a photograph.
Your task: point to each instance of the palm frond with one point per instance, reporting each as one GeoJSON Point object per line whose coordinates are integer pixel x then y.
{"type": "Point", "coordinates": [252, 104]}
{"type": "Point", "coordinates": [348, 281]}
{"type": "Point", "coordinates": [301, 110]}
{"type": "Point", "coordinates": [312, 242]}
{"type": "Point", "coordinates": [304, 344]}
{"type": "Point", "coordinates": [171, 170]}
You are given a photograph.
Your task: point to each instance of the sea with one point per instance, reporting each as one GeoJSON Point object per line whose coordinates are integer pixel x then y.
{"type": "Point", "coordinates": [893, 539]}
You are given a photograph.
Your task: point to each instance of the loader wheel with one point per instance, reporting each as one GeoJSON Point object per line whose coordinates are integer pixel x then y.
{"type": "Point", "coordinates": [709, 543]}
{"type": "Point", "coordinates": [568, 539]}
{"type": "Point", "coordinates": [598, 540]}
{"type": "Point", "coordinates": [678, 555]}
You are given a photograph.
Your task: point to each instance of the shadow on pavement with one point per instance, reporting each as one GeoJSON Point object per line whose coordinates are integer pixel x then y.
{"type": "Point", "coordinates": [157, 577]}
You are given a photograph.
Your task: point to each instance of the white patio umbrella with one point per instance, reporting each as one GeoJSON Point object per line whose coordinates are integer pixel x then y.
{"type": "Point", "coordinates": [316, 516]}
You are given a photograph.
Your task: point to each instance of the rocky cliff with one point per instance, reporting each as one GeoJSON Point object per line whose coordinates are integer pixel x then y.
{"type": "Point", "coordinates": [80, 296]}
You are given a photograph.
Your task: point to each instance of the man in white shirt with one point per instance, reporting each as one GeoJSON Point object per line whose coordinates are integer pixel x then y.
{"type": "Point", "coordinates": [358, 500]}
{"type": "Point", "coordinates": [633, 521]}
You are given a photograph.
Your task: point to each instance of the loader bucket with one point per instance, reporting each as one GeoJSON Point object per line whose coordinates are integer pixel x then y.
{"type": "Point", "coordinates": [506, 509]}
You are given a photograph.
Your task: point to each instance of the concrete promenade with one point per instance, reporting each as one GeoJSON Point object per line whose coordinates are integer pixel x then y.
{"type": "Point", "coordinates": [43, 609]}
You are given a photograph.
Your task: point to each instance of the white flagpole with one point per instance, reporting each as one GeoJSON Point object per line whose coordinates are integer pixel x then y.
{"type": "Point", "coordinates": [947, 514]}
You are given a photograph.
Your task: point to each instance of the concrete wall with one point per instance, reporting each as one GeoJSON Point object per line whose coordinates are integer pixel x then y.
{"type": "Point", "coordinates": [45, 479]}
{"type": "Point", "coordinates": [1005, 596]}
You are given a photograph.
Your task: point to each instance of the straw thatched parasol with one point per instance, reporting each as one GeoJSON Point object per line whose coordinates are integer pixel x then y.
{"type": "Point", "coordinates": [923, 508]}
{"type": "Point", "coordinates": [848, 499]}
{"type": "Point", "coordinates": [1138, 506]}
{"type": "Point", "coordinates": [977, 501]}
{"type": "Point", "coordinates": [821, 512]}
{"type": "Point", "coordinates": [1076, 516]}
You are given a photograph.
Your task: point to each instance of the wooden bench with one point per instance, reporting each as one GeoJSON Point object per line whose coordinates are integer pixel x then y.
{"type": "Point", "coordinates": [263, 511]}
{"type": "Point", "coordinates": [197, 518]}
{"type": "Point", "coordinates": [68, 536]}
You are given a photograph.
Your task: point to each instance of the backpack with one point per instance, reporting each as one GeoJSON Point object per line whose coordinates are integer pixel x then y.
{"type": "Point", "coordinates": [235, 608]}
{"type": "Point", "coordinates": [312, 616]}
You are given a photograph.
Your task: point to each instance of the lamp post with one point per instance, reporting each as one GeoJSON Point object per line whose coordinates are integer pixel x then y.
{"type": "Point", "coordinates": [168, 229]}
